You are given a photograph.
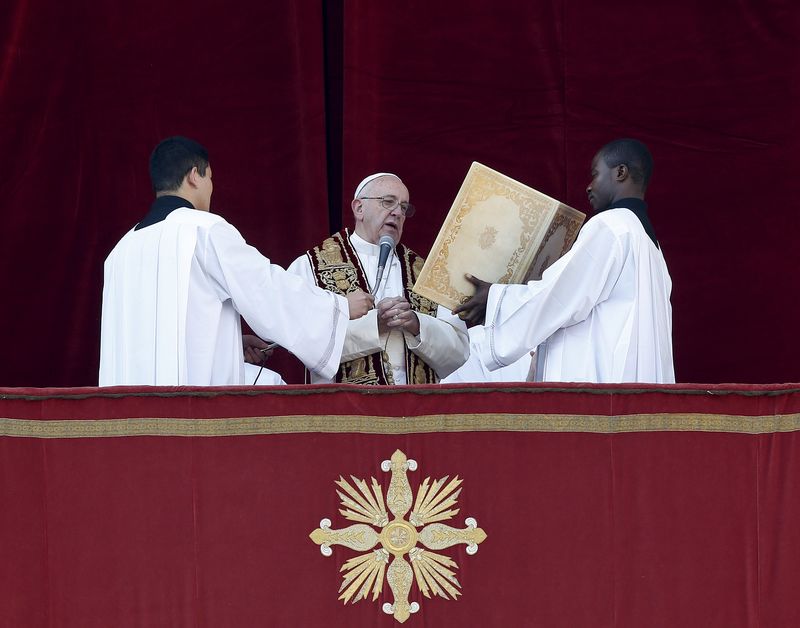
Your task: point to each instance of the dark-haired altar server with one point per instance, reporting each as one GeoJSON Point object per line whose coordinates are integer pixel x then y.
{"type": "Point", "coordinates": [176, 285]}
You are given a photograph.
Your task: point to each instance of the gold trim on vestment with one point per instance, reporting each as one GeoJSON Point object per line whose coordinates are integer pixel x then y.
{"type": "Point", "coordinates": [337, 268]}
{"type": "Point", "coordinates": [489, 422]}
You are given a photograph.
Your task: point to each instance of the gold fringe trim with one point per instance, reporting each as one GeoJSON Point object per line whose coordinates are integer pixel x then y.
{"type": "Point", "coordinates": [302, 424]}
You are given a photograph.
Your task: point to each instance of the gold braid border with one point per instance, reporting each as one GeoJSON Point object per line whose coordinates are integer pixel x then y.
{"type": "Point", "coordinates": [303, 424]}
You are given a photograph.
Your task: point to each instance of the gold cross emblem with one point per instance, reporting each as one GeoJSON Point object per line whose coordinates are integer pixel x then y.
{"type": "Point", "coordinates": [398, 538]}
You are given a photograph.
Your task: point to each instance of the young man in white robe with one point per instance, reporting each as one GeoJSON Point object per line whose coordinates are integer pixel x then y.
{"type": "Point", "coordinates": [176, 285]}
{"type": "Point", "coordinates": [406, 339]}
{"type": "Point", "coordinates": [601, 313]}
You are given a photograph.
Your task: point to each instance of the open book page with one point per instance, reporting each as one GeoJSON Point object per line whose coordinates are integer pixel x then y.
{"type": "Point", "coordinates": [498, 230]}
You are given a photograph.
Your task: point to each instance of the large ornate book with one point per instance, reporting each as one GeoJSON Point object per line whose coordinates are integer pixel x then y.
{"type": "Point", "coordinates": [498, 230]}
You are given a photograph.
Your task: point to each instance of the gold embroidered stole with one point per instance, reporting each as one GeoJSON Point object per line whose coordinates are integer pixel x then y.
{"type": "Point", "coordinates": [338, 269]}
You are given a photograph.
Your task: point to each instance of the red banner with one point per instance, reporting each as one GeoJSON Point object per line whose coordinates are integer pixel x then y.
{"type": "Point", "coordinates": [602, 506]}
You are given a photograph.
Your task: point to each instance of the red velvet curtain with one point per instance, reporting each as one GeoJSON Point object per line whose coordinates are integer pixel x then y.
{"type": "Point", "coordinates": [533, 89]}
{"type": "Point", "coordinates": [88, 88]}
{"type": "Point", "coordinates": [297, 98]}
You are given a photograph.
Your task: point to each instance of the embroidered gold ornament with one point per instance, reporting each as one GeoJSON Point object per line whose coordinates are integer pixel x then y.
{"type": "Point", "coordinates": [398, 537]}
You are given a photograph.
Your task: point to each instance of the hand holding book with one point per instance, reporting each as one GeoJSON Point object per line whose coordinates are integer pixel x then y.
{"type": "Point", "coordinates": [473, 311]}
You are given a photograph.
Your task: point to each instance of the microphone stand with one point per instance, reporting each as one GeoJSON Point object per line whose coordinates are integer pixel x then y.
{"type": "Point", "coordinates": [386, 244]}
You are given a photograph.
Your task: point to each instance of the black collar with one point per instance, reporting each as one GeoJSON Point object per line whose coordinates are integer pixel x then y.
{"type": "Point", "coordinates": [639, 208]}
{"type": "Point", "coordinates": [162, 207]}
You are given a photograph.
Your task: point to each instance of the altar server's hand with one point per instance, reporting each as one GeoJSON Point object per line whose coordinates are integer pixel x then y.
{"type": "Point", "coordinates": [359, 303]}
{"type": "Point", "coordinates": [396, 313]}
{"type": "Point", "coordinates": [473, 311]}
{"type": "Point", "coordinates": [256, 351]}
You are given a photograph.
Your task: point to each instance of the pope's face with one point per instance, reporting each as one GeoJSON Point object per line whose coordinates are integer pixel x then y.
{"type": "Point", "coordinates": [372, 219]}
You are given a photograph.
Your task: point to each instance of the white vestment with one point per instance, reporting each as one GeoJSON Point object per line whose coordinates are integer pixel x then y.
{"type": "Point", "coordinates": [443, 342]}
{"type": "Point", "coordinates": [601, 313]}
{"type": "Point", "coordinates": [475, 371]}
{"type": "Point", "coordinates": [172, 297]}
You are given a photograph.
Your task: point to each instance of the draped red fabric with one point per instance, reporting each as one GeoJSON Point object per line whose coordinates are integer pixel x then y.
{"type": "Point", "coordinates": [87, 90]}
{"type": "Point", "coordinates": [604, 506]}
{"type": "Point", "coordinates": [297, 98]}
{"type": "Point", "coordinates": [533, 89]}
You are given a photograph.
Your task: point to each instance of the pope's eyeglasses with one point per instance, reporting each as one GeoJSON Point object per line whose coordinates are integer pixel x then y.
{"type": "Point", "coordinates": [390, 202]}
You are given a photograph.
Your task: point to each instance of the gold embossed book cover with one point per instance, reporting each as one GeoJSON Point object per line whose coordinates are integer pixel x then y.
{"type": "Point", "coordinates": [498, 230]}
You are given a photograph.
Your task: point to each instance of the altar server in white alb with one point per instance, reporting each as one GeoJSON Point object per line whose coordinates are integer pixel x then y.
{"type": "Point", "coordinates": [406, 339]}
{"type": "Point", "coordinates": [176, 285]}
{"type": "Point", "coordinates": [601, 313]}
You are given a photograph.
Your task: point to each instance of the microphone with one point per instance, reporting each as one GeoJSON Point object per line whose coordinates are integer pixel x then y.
{"type": "Point", "coordinates": [386, 244]}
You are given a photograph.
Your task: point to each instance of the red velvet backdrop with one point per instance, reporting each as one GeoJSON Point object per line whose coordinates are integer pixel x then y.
{"type": "Point", "coordinates": [285, 94]}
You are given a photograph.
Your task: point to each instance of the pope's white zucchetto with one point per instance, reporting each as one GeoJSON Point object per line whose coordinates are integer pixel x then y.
{"type": "Point", "coordinates": [360, 187]}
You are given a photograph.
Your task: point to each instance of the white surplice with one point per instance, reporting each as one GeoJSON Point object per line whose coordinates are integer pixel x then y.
{"type": "Point", "coordinates": [601, 313]}
{"type": "Point", "coordinates": [443, 342]}
{"type": "Point", "coordinates": [173, 294]}
{"type": "Point", "coordinates": [475, 371]}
